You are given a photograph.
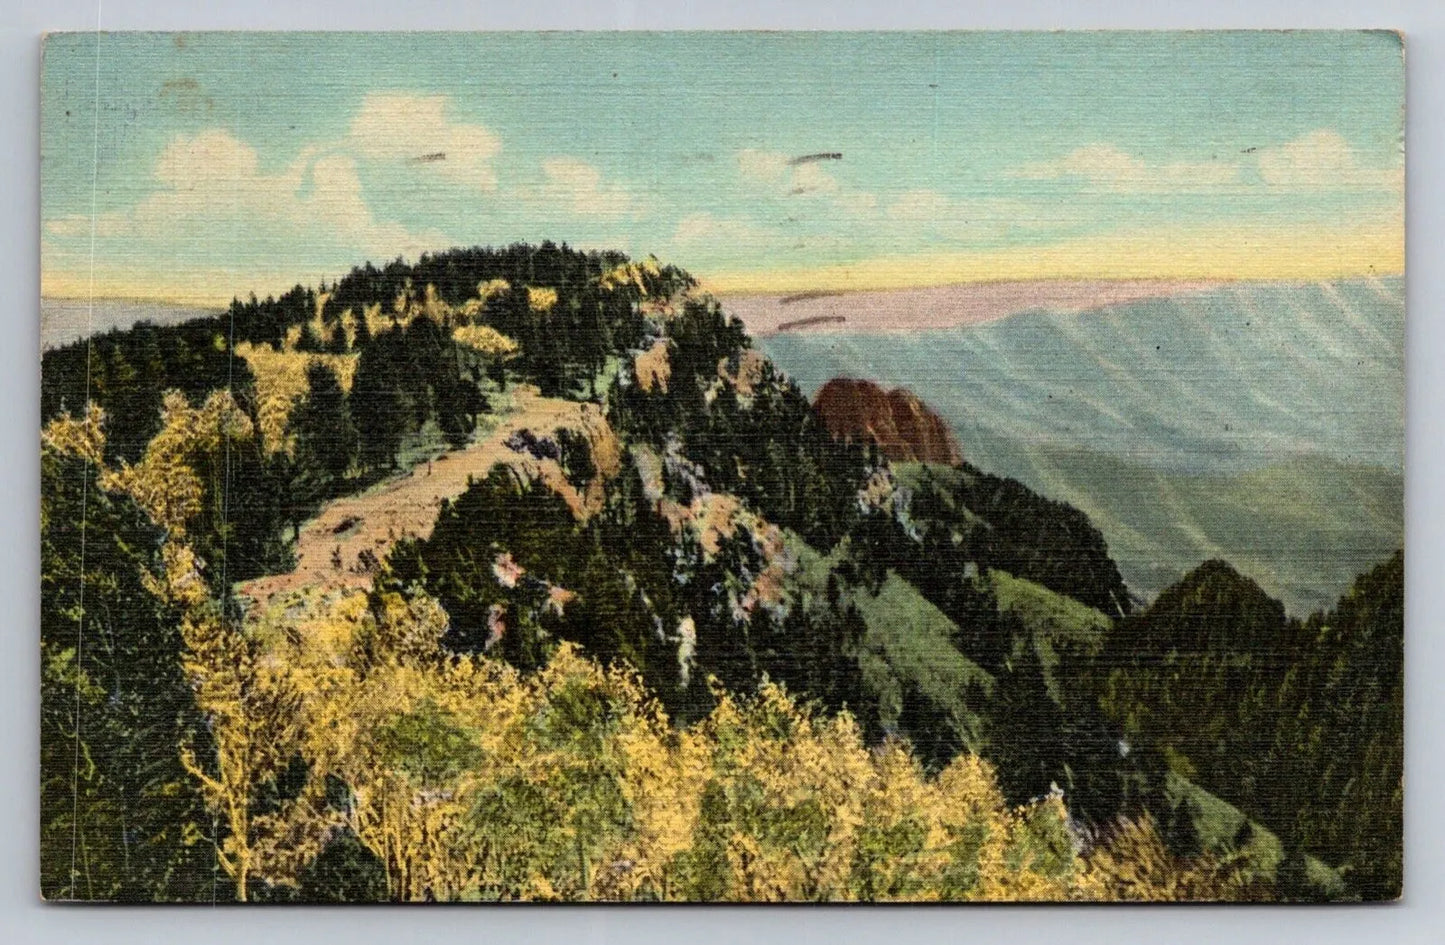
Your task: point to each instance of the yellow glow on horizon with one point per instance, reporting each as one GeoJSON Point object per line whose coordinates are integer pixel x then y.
{"type": "Point", "coordinates": [1220, 253]}
{"type": "Point", "coordinates": [210, 289]}
{"type": "Point", "coordinates": [1229, 253]}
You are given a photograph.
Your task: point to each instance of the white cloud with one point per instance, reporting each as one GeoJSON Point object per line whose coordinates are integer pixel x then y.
{"type": "Point", "coordinates": [209, 161]}
{"type": "Point", "coordinates": [213, 196]}
{"type": "Point", "coordinates": [704, 228]}
{"type": "Point", "coordinates": [811, 178]}
{"type": "Point", "coordinates": [762, 166]}
{"type": "Point", "coordinates": [1322, 160]}
{"type": "Point", "coordinates": [856, 202]}
{"type": "Point", "coordinates": [214, 202]}
{"type": "Point", "coordinates": [396, 128]}
{"type": "Point", "coordinates": [776, 171]}
{"type": "Point", "coordinates": [578, 185]}
{"type": "Point", "coordinates": [336, 201]}
{"type": "Point", "coordinates": [1106, 168]}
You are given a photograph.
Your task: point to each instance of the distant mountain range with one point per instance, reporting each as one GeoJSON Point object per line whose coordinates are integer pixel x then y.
{"type": "Point", "coordinates": [946, 306]}
{"type": "Point", "coordinates": [1259, 422]}
{"type": "Point", "coordinates": [65, 320]}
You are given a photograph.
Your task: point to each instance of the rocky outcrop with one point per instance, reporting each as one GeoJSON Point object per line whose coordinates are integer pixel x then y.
{"type": "Point", "coordinates": [653, 368]}
{"type": "Point", "coordinates": [903, 426]}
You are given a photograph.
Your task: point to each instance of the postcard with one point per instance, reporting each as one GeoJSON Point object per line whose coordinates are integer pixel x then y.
{"type": "Point", "coordinates": [748, 467]}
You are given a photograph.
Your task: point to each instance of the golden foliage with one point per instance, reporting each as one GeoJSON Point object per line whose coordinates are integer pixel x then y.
{"type": "Point", "coordinates": [281, 382]}
{"type": "Point", "coordinates": [474, 308]}
{"type": "Point", "coordinates": [492, 288]}
{"type": "Point", "coordinates": [1134, 865]}
{"type": "Point", "coordinates": [486, 340]}
{"type": "Point", "coordinates": [165, 482]}
{"type": "Point", "coordinates": [541, 299]}
{"type": "Point", "coordinates": [633, 275]}
{"type": "Point", "coordinates": [795, 808]}
{"type": "Point", "coordinates": [376, 322]}
{"type": "Point", "coordinates": [433, 306]}
{"type": "Point", "coordinates": [83, 437]}
{"type": "Point", "coordinates": [251, 705]}
{"type": "Point", "coordinates": [469, 780]}
{"type": "Point", "coordinates": [248, 697]}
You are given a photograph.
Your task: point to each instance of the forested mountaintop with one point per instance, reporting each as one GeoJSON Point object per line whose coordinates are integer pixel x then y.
{"type": "Point", "coordinates": [684, 515]}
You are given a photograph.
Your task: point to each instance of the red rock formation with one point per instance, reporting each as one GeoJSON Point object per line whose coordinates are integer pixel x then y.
{"type": "Point", "coordinates": [902, 425]}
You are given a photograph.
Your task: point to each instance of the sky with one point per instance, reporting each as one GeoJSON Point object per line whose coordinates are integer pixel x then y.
{"type": "Point", "coordinates": [195, 167]}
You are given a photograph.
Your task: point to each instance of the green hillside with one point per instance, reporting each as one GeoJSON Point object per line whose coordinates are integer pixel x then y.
{"type": "Point", "coordinates": [1303, 528]}
{"type": "Point", "coordinates": [1221, 828]}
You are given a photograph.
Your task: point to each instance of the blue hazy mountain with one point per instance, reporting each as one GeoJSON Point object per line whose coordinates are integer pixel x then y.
{"type": "Point", "coordinates": [1259, 422]}
{"type": "Point", "coordinates": [65, 320]}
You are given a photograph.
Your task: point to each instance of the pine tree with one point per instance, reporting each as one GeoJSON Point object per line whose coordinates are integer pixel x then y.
{"type": "Point", "coordinates": [115, 700]}
{"type": "Point", "coordinates": [326, 438]}
{"type": "Point", "coordinates": [363, 329]}
{"type": "Point", "coordinates": [378, 406]}
{"type": "Point", "coordinates": [308, 340]}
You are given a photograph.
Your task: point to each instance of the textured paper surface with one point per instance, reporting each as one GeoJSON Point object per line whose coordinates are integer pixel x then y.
{"type": "Point", "coordinates": [722, 466]}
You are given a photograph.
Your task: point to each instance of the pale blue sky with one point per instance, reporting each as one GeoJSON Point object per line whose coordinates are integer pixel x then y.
{"type": "Point", "coordinates": [222, 163]}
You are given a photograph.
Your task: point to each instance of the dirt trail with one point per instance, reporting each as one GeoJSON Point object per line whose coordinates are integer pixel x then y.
{"type": "Point", "coordinates": [331, 550]}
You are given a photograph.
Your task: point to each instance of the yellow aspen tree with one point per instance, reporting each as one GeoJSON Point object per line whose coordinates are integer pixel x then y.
{"type": "Point", "coordinates": [245, 696]}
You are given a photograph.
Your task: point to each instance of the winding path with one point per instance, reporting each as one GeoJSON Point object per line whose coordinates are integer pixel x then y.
{"type": "Point", "coordinates": [342, 545]}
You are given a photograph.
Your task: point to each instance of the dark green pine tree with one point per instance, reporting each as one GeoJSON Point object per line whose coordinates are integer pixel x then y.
{"type": "Point", "coordinates": [326, 439]}
{"type": "Point", "coordinates": [1025, 732]}
{"type": "Point", "coordinates": [453, 396]}
{"type": "Point", "coordinates": [362, 336]}
{"type": "Point", "coordinates": [308, 341]}
{"type": "Point", "coordinates": [119, 816]}
{"type": "Point", "coordinates": [378, 405]}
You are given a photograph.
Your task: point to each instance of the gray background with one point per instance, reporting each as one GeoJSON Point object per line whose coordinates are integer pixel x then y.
{"type": "Point", "coordinates": [1419, 918]}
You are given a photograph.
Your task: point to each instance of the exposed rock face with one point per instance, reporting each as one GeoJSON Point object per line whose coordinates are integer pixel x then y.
{"type": "Point", "coordinates": [653, 368]}
{"type": "Point", "coordinates": [902, 425]}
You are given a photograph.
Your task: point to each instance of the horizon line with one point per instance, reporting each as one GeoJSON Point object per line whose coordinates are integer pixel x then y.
{"type": "Point", "coordinates": [729, 285]}
{"type": "Point", "coordinates": [1167, 254]}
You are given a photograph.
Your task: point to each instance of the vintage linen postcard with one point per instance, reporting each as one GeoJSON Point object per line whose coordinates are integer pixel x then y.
{"type": "Point", "coordinates": [722, 466]}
